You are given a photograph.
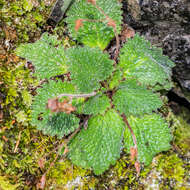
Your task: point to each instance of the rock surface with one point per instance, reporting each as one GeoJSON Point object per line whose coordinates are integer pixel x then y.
{"type": "Point", "coordinates": [166, 24]}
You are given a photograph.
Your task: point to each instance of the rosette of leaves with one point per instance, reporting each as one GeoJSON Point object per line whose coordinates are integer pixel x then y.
{"type": "Point", "coordinates": [133, 99]}
{"type": "Point", "coordinates": [93, 29]}
{"type": "Point", "coordinates": [116, 99]}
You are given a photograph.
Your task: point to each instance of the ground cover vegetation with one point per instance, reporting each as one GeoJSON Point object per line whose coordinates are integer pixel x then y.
{"type": "Point", "coordinates": [115, 109]}
{"type": "Point", "coordinates": [106, 119]}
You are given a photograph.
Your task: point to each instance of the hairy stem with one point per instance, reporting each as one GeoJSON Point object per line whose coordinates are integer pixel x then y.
{"type": "Point", "coordinates": [91, 20]}
{"type": "Point", "coordinates": [117, 43]}
{"type": "Point", "coordinates": [133, 154]}
{"type": "Point", "coordinates": [72, 135]}
{"type": "Point", "coordinates": [131, 130]}
{"type": "Point", "coordinates": [114, 28]}
{"type": "Point", "coordinates": [65, 143]}
{"type": "Point", "coordinates": [102, 11]}
{"type": "Point", "coordinates": [77, 95]}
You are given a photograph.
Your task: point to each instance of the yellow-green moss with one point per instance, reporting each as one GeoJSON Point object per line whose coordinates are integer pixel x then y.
{"type": "Point", "coordinates": [172, 169]}
{"type": "Point", "coordinates": [181, 131]}
{"type": "Point", "coordinates": [25, 18]}
{"type": "Point", "coordinates": [6, 185]}
{"type": "Point", "coordinates": [64, 172]}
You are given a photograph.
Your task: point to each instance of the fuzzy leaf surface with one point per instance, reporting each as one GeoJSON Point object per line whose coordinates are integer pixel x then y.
{"type": "Point", "coordinates": [132, 99]}
{"type": "Point", "coordinates": [47, 59]}
{"type": "Point", "coordinates": [61, 124]}
{"type": "Point", "coordinates": [152, 134]}
{"type": "Point", "coordinates": [100, 144]}
{"type": "Point", "coordinates": [96, 105]}
{"type": "Point", "coordinates": [88, 66]}
{"type": "Point", "coordinates": [95, 33]}
{"type": "Point", "coordinates": [115, 79]}
{"type": "Point", "coordinates": [48, 91]}
{"type": "Point", "coordinates": [147, 64]}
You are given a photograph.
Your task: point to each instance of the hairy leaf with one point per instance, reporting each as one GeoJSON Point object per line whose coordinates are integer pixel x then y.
{"type": "Point", "coordinates": [61, 124]}
{"type": "Point", "coordinates": [40, 113]}
{"type": "Point", "coordinates": [93, 31]}
{"type": "Point", "coordinates": [145, 63]}
{"type": "Point", "coordinates": [97, 104]}
{"type": "Point", "coordinates": [47, 59]}
{"type": "Point", "coordinates": [99, 145]}
{"type": "Point", "coordinates": [115, 79]}
{"type": "Point", "coordinates": [152, 134]}
{"type": "Point", "coordinates": [133, 99]}
{"type": "Point", "coordinates": [88, 66]}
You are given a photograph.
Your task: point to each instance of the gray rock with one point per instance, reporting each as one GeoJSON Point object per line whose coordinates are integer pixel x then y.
{"type": "Point", "coordinates": [166, 23]}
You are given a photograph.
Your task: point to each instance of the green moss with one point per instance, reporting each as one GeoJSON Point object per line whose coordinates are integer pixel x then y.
{"type": "Point", "coordinates": [19, 167]}
{"type": "Point", "coordinates": [121, 176]}
{"type": "Point", "coordinates": [172, 169]}
{"type": "Point", "coordinates": [6, 185]}
{"type": "Point", "coordinates": [16, 81]}
{"type": "Point", "coordinates": [64, 174]}
{"type": "Point", "coordinates": [181, 131]}
{"type": "Point", "coordinates": [24, 18]}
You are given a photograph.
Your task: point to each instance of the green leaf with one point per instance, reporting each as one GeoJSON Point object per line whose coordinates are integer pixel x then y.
{"type": "Point", "coordinates": [100, 144]}
{"type": "Point", "coordinates": [88, 66]}
{"type": "Point", "coordinates": [145, 63]}
{"type": "Point", "coordinates": [97, 104]}
{"type": "Point", "coordinates": [132, 99]}
{"type": "Point", "coordinates": [40, 114]}
{"type": "Point", "coordinates": [115, 79]}
{"type": "Point", "coordinates": [152, 134]}
{"type": "Point", "coordinates": [61, 124]}
{"type": "Point", "coordinates": [97, 33]}
{"type": "Point", "coordinates": [48, 60]}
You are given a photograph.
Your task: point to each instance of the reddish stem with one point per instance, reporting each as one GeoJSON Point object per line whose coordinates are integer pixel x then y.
{"type": "Point", "coordinates": [117, 43]}
{"type": "Point", "coordinates": [137, 163]}
{"type": "Point", "coordinates": [114, 28]}
{"type": "Point", "coordinates": [130, 129]}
